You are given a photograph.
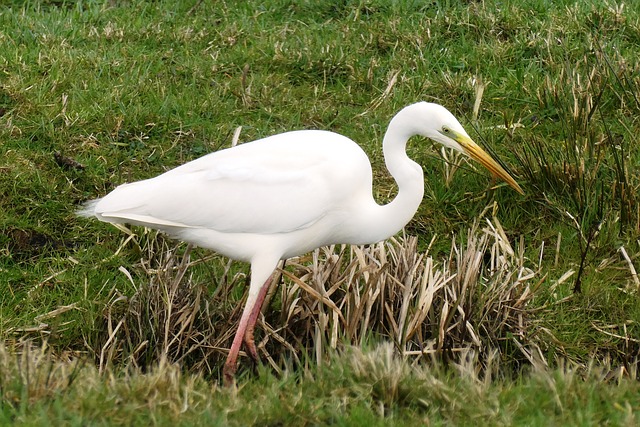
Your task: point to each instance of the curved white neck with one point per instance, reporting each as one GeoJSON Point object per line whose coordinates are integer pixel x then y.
{"type": "Point", "coordinates": [385, 221]}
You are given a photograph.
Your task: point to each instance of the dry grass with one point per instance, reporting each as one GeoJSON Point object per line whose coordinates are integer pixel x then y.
{"type": "Point", "coordinates": [583, 172]}
{"type": "Point", "coordinates": [170, 318]}
{"type": "Point", "coordinates": [30, 373]}
{"type": "Point", "coordinates": [472, 303]}
{"type": "Point", "coordinates": [40, 387]}
{"type": "Point", "coordinates": [35, 376]}
{"type": "Point", "coordinates": [475, 300]}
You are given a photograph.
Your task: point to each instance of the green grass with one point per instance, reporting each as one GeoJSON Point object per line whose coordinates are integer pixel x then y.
{"type": "Point", "coordinates": [354, 388]}
{"type": "Point", "coordinates": [130, 89]}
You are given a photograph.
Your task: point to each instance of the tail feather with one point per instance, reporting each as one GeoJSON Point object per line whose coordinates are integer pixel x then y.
{"type": "Point", "coordinates": [88, 209]}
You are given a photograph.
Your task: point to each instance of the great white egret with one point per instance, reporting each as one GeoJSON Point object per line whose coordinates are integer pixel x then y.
{"type": "Point", "coordinates": [285, 195]}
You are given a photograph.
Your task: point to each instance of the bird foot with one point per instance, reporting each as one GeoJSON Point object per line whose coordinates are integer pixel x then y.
{"type": "Point", "coordinates": [229, 374]}
{"type": "Point", "coordinates": [250, 344]}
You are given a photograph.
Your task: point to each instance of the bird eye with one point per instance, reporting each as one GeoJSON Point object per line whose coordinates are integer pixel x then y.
{"type": "Point", "coordinates": [445, 130]}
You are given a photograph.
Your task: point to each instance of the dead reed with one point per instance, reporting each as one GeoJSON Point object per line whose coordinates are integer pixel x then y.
{"type": "Point", "coordinates": [584, 175]}
{"type": "Point", "coordinates": [474, 301]}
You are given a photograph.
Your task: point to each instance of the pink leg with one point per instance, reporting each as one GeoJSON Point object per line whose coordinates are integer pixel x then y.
{"type": "Point", "coordinates": [229, 369]}
{"type": "Point", "coordinates": [245, 329]}
{"type": "Point", "coordinates": [253, 317]}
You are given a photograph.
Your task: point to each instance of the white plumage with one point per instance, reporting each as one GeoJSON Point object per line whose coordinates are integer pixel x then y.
{"type": "Point", "coordinates": [285, 195]}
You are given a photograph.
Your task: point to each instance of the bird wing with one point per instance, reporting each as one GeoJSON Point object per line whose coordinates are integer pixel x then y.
{"type": "Point", "coordinates": [254, 188]}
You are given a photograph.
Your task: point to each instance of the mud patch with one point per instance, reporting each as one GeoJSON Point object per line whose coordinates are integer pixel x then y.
{"type": "Point", "coordinates": [67, 163]}
{"type": "Point", "coordinates": [23, 244]}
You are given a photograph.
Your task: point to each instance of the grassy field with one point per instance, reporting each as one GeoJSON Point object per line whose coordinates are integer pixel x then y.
{"type": "Point", "coordinates": [490, 308]}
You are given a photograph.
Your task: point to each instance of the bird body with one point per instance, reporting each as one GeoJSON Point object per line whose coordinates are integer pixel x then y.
{"type": "Point", "coordinates": [285, 195]}
{"type": "Point", "coordinates": [279, 191]}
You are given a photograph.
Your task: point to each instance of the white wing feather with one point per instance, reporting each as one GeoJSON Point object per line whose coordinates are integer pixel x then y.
{"type": "Point", "coordinates": [266, 186]}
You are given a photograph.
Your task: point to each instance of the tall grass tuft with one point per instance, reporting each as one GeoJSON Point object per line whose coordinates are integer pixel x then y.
{"type": "Point", "coordinates": [584, 174]}
{"type": "Point", "coordinates": [172, 318]}
{"type": "Point", "coordinates": [473, 302]}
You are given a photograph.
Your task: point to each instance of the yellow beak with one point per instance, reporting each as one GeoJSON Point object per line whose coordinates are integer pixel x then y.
{"type": "Point", "coordinates": [474, 151]}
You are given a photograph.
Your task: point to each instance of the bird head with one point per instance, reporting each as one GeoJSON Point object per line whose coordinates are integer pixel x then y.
{"type": "Point", "coordinates": [438, 124]}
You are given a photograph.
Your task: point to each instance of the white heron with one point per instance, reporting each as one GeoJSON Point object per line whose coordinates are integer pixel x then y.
{"type": "Point", "coordinates": [285, 195]}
